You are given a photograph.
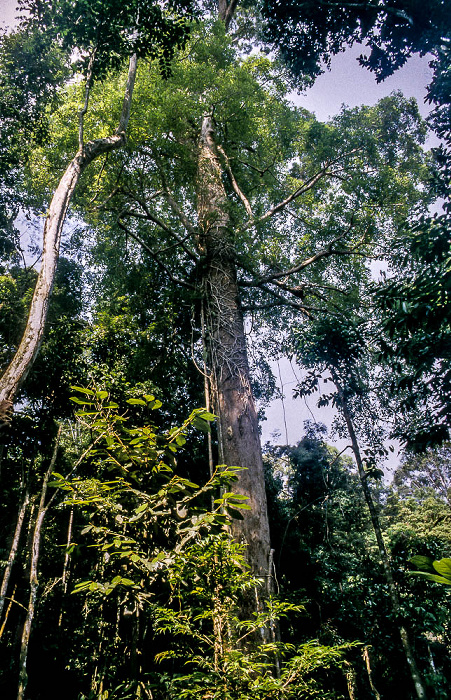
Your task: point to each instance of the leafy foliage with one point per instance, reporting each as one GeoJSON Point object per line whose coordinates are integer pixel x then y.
{"type": "Point", "coordinates": [417, 326]}
{"type": "Point", "coordinates": [310, 32]}
{"type": "Point", "coordinates": [438, 571]}
{"type": "Point", "coordinates": [113, 30]}
{"type": "Point", "coordinates": [163, 553]}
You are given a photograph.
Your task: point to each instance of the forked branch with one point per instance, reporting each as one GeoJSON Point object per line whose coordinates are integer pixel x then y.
{"type": "Point", "coordinates": [305, 187]}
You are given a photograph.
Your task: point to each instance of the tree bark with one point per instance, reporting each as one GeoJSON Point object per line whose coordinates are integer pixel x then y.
{"type": "Point", "coordinates": [239, 440]}
{"type": "Point", "coordinates": [31, 341]}
{"type": "Point", "coordinates": [405, 641]}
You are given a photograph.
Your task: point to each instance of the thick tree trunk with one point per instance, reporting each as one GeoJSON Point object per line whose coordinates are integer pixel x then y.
{"type": "Point", "coordinates": [29, 346]}
{"type": "Point", "coordinates": [239, 441]}
{"type": "Point", "coordinates": [405, 641]}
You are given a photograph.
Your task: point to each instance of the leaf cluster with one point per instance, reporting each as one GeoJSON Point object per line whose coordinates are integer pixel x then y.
{"type": "Point", "coordinates": [113, 30]}
{"type": "Point", "coordinates": [308, 33]}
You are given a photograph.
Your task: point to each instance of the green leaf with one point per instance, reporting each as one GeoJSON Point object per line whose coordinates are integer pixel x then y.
{"type": "Point", "coordinates": [127, 582]}
{"type": "Point", "coordinates": [235, 514]}
{"type": "Point", "coordinates": [443, 567]}
{"type": "Point", "coordinates": [136, 402]}
{"type": "Point", "coordinates": [75, 399]}
{"type": "Point", "coordinates": [82, 390]}
{"type": "Point", "coordinates": [207, 416]}
{"type": "Point", "coordinates": [201, 424]}
{"type": "Point", "coordinates": [421, 562]}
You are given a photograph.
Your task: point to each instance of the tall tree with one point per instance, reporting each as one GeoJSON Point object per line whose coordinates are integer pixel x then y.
{"type": "Point", "coordinates": [339, 349]}
{"type": "Point", "coordinates": [138, 28]}
{"type": "Point", "coordinates": [218, 163]}
{"type": "Point", "coordinates": [226, 218]}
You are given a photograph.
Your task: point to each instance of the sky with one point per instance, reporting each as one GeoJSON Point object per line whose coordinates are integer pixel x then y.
{"type": "Point", "coordinates": [349, 83]}
{"type": "Point", "coordinates": [7, 12]}
{"type": "Point", "coordinates": [345, 83]}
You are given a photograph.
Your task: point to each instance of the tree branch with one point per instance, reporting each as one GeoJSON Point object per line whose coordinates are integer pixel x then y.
{"type": "Point", "coordinates": [29, 346]}
{"type": "Point", "coordinates": [323, 253]}
{"type": "Point", "coordinates": [173, 204]}
{"type": "Point", "coordinates": [307, 310]}
{"type": "Point", "coordinates": [235, 185]}
{"type": "Point", "coordinates": [162, 224]}
{"type": "Point", "coordinates": [311, 182]}
{"type": "Point", "coordinates": [84, 109]}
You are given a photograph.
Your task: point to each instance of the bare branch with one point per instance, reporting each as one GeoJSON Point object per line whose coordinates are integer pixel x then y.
{"type": "Point", "coordinates": [286, 302]}
{"type": "Point", "coordinates": [150, 216]}
{"type": "Point", "coordinates": [308, 287]}
{"type": "Point", "coordinates": [127, 102]}
{"type": "Point", "coordinates": [84, 109]}
{"type": "Point", "coordinates": [259, 170]}
{"type": "Point", "coordinates": [311, 182]}
{"type": "Point", "coordinates": [323, 253]}
{"type": "Point", "coordinates": [173, 204]}
{"type": "Point", "coordinates": [235, 185]}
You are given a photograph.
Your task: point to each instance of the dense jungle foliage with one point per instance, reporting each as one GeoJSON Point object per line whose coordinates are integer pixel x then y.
{"type": "Point", "coordinates": [199, 227]}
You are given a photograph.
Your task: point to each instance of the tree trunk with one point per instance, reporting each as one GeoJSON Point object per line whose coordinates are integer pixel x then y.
{"type": "Point", "coordinates": [366, 658]}
{"type": "Point", "coordinates": [239, 441]}
{"type": "Point", "coordinates": [13, 551]}
{"type": "Point", "coordinates": [29, 346]}
{"type": "Point", "coordinates": [405, 641]}
{"type": "Point", "coordinates": [34, 583]}
{"type": "Point", "coordinates": [12, 600]}
{"type": "Point", "coordinates": [65, 576]}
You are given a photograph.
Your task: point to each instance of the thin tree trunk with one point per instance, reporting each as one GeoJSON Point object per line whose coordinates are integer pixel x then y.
{"type": "Point", "coordinates": [13, 550]}
{"type": "Point", "coordinates": [8, 609]}
{"type": "Point", "coordinates": [366, 658]}
{"type": "Point", "coordinates": [65, 575]}
{"type": "Point", "coordinates": [29, 346]}
{"type": "Point", "coordinates": [351, 680]}
{"type": "Point", "coordinates": [34, 583]}
{"type": "Point", "coordinates": [405, 641]}
{"type": "Point", "coordinates": [225, 338]}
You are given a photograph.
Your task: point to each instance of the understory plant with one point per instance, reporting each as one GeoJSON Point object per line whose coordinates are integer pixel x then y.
{"type": "Point", "coordinates": [164, 582]}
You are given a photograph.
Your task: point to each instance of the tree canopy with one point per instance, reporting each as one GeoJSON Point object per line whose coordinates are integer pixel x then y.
{"type": "Point", "coordinates": [196, 226]}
